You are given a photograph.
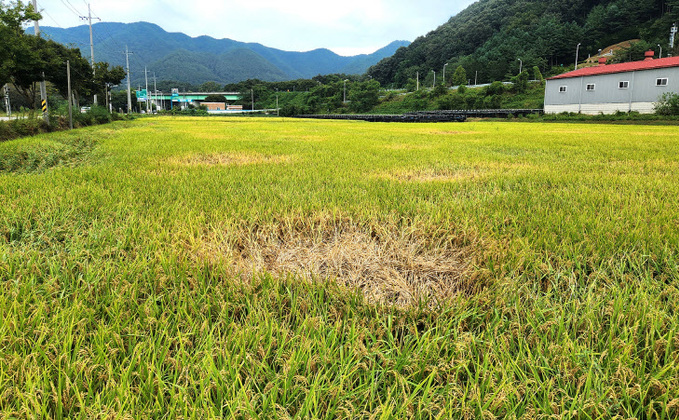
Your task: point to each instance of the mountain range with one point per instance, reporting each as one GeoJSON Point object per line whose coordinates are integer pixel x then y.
{"type": "Point", "coordinates": [179, 57]}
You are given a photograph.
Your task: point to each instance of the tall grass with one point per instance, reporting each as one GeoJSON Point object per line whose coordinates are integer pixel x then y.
{"type": "Point", "coordinates": [140, 280]}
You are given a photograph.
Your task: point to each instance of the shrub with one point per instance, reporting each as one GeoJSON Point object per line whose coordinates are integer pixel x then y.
{"type": "Point", "coordinates": [23, 127]}
{"type": "Point", "coordinates": [668, 104]}
{"type": "Point", "coordinates": [454, 101]}
{"type": "Point", "coordinates": [495, 88]}
{"type": "Point", "coordinates": [100, 115]}
{"type": "Point", "coordinates": [439, 90]}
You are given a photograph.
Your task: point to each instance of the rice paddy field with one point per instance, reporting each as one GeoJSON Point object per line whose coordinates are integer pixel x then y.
{"type": "Point", "coordinates": [171, 268]}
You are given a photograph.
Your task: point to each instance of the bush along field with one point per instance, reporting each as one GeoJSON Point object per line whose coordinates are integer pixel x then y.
{"type": "Point", "coordinates": [32, 124]}
{"type": "Point", "coordinates": [279, 268]}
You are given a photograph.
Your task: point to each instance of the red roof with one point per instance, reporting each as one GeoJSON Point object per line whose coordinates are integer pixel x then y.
{"type": "Point", "coordinates": [621, 68]}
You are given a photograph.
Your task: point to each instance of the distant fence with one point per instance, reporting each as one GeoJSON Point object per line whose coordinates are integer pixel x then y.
{"type": "Point", "coordinates": [459, 115]}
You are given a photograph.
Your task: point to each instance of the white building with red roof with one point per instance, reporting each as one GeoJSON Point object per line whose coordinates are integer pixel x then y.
{"type": "Point", "coordinates": [607, 89]}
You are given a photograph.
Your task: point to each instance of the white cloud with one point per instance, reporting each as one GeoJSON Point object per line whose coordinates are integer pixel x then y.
{"type": "Point", "coordinates": [350, 27]}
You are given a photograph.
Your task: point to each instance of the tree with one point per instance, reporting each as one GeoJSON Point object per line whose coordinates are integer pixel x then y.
{"type": "Point", "coordinates": [119, 100]}
{"type": "Point", "coordinates": [364, 95]}
{"type": "Point", "coordinates": [107, 77]}
{"type": "Point", "coordinates": [538, 75]}
{"type": "Point", "coordinates": [215, 98]}
{"type": "Point", "coordinates": [53, 65]}
{"type": "Point", "coordinates": [13, 40]}
{"type": "Point", "coordinates": [25, 59]}
{"type": "Point", "coordinates": [210, 87]}
{"type": "Point", "coordinates": [460, 76]}
{"type": "Point", "coordinates": [521, 82]}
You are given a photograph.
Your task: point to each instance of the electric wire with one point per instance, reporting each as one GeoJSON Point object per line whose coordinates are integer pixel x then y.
{"type": "Point", "coordinates": [70, 8]}
{"type": "Point", "coordinates": [79, 14]}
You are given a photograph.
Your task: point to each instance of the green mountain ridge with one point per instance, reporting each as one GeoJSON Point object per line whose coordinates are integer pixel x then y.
{"type": "Point", "coordinates": [497, 37]}
{"type": "Point", "coordinates": [177, 56]}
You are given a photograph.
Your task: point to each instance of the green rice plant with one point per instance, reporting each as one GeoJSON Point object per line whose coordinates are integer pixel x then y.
{"type": "Point", "coordinates": [182, 267]}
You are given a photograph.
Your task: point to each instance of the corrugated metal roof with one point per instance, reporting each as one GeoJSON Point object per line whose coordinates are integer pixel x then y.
{"type": "Point", "coordinates": [621, 68]}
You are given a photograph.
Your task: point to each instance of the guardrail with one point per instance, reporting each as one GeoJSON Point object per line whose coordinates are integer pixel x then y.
{"type": "Point", "coordinates": [411, 117]}
{"type": "Point", "coordinates": [486, 113]}
{"type": "Point", "coordinates": [458, 115]}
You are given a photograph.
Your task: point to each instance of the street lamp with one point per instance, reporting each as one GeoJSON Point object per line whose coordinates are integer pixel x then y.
{"type": "Point", "coordinates": [434, 85]}
{"type": "Point", "coordinates": [660, 50]}
{"type": "Point", "coordinates": [520, 65]}
{"type": "Point", "coordinates": [345, 90]}
{"type": "Point", "coordinates": [577, 53]}
{"type": "Point", "coordinates": [444, 73]}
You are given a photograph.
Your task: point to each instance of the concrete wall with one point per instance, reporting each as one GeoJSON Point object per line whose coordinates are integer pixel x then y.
{"type": "Point", "coordinates": [596, 109]}
{"type": "Point", "coordinates": [607, 96]}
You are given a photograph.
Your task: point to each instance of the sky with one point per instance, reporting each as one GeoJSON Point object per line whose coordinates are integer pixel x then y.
{"type": "Point", "coordinates": [348, 27]}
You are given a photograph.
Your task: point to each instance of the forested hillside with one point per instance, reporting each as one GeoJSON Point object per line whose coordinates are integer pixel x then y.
{"type": "Point", "coordinates": [490, 36]}
{"type": "Point", "coordinates": [176, 56]}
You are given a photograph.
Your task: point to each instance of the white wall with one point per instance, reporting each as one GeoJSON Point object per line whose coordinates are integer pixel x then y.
{"type": "Point", "coordinates": [596, 109]}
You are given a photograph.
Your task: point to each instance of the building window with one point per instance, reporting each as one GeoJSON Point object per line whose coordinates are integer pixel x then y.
{"type": "Point", "coordinates": [590, 87]}
{"type": "Point", "coordinates": [623, 85]}
{"type": "Point", "coordinates": [563, 89]}
{"type": "Point", "coordinates": [661, 81]}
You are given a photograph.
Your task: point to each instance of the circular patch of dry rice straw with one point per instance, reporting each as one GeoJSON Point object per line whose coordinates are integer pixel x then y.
{"type": "Point", "coordinates": [391, 265]}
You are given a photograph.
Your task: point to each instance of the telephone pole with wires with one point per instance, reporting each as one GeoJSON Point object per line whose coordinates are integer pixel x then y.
{"type": "Point", "coordinates": [129, 89]}
{"type": "Point", "coordinates": [155, 91]}
{"type": "Point", "coordinates": [146, 77]}
{"type": "Point", "coordinates": [43, 88]}
{"type": "Point", "coordinates": [89, 19]}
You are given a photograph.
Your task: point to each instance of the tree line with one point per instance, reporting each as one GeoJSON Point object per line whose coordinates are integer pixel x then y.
{"type": "Point", "coordinates": [26, 59]}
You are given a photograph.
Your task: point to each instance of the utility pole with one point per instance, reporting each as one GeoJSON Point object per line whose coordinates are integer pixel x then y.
{"type": "Point", "coordinates": [155, 91]}
{"type": "Point", "coordinates": [418, 81]}
{"type": "Point", "coordinates": [345, 90]}
{"type": "Point", "coordinates": [7, 104]}
{"type": "Point", "coordinates": [146, 77]}
{"type": "Point", "coordinates": [89, 19]}
{"type": "Point", "coordinates": [129, 89]}
{"type": "Point", "coordinates": [252, 92]}
{"type": "Point", "coordinates": [43, 89]}
{"type": "Point", "coordinates": [70, 100]}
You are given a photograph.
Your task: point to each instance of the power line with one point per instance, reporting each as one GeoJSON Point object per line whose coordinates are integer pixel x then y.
{"type": "Point", "coordinates": [53, 20]}
{"type": "Point", "coordinates": [79, 14]}
{"type": "Point", "coordinates": [70, 8]}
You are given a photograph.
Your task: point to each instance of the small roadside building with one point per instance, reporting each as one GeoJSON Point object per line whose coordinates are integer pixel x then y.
{"type": "Point", "coordinates": [214, 106]}
{"type": "Point", "coordinates": [606, 89]}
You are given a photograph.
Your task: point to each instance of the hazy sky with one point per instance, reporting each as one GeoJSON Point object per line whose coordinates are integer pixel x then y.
{"type": "Point", "coordinates": [347, 27]}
